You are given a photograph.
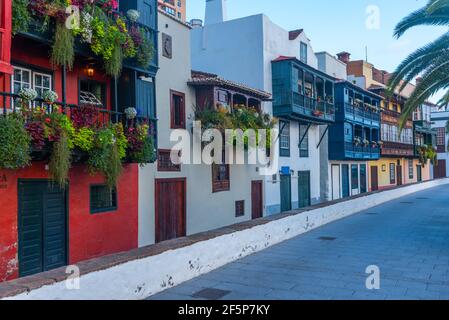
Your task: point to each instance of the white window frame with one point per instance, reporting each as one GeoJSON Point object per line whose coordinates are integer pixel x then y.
{"type": "Point", "coordinates": [42, 75]}
{"type": "Point", "coordinates": [13, 80]}
{"type": "Point", "coordinates": [284, 139]}
{"type": "Point", "coordinates": [32, 79]}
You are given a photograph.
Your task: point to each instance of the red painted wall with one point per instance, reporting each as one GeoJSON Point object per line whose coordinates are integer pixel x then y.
{"type": "Point", "coordinates": [38, 56]}
{"type": "Point", "coordinates": [89, 235]}
{"type": "Point", "coordinates": [5, 36]}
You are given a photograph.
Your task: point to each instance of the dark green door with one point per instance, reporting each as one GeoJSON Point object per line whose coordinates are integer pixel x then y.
{"type": "Point", "coordinates": [286, 193]}
{"type": "Point", "coordinates": [419, 171]}
{"type": "Point", "coordinates": [304, 199]}
{"type": "Point", "coordinates": [345, 180]}
{"type": "Point", "coordinates": [42, 227]}
{"type": "Point", "coordinates": [363, 182]}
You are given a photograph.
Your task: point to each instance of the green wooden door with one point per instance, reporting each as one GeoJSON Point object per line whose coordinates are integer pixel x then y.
{"type": "Point", "coordinates": [304, 199]}
{"type": "Point", "coordinates": [419, 172]}
{"type": "Point", "coordinates": [286, 193]}
{"type": "Point", "coordinates": [42, 227]}
{"type": "Point", "coordinates": [345, 180]}
{"type": "Point", "coordinates": [363, 177]}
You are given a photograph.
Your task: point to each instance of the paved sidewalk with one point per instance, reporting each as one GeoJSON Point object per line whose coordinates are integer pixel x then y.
{"type": "Point", "coordinates": [408, 239]}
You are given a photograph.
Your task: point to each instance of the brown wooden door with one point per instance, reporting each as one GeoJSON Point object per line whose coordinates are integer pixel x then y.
{"type": "Point", "coordinates": [399, 175]}
{"type": "Point", "coordinates": [170, 209]}
{"type": "Point", "coordinates": [440, 170]}
{"type": "Point", "coordinates": [374, 178]}
{"type": "Point", "coordinates": [256, 199]}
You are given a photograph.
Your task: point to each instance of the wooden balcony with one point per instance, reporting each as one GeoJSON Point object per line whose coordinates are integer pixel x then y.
{"type": "Point", "coordinates": [397, 149]}
{"type": "Point", "coordinates": [37, 33]}
{"type": "Point", "coordinates": [301, 92]}
{"type": "Point", "coordinates": [10, 103]}
{"type": "Point", "coordinates": [361, 115]}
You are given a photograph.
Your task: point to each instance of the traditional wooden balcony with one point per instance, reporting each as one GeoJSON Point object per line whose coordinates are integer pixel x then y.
{"type": "Point", "coordinates": [37, 33]}
{"type": "Point", "coordinates": [397, 149]}
{"type": "Point", "coordinates": [10, 103]}
{"type": "Point", "coordinates": [365, 116]}
{"type": "Point", "coordinates": [301, 92]}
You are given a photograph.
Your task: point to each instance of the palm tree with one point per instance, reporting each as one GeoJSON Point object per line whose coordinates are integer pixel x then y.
{"type": "Point", "coordinates": [431, 62]}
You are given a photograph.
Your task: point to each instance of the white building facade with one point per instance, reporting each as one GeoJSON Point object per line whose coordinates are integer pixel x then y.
{"type": "Point", "coordinates": [243, 50]}
{"type": "Point", "coordinates": [440, 123]}
{"type": "Point", "coordinates": [179, 200]}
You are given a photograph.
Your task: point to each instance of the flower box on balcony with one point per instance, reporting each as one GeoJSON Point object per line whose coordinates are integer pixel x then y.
{"type": "Point", "coordinates": [317, 113]}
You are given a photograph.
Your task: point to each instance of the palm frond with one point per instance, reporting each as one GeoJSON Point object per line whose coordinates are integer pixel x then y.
{"type": "Point", "coordinates": [431, 84]}
{"type": "Point", "coordinates": [444, 101]}
{"type": "Point", "coordinates": [417, 62]}
{"type": "Point", "coordinates": [435, 5]}
{"type": "Point", "coordinates": [437, 17]}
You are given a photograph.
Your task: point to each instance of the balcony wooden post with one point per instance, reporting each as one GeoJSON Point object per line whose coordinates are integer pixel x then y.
{"type": "Point", "coordinates": [64, 87]}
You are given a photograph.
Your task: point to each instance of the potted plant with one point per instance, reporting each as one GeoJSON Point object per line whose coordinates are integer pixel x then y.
{"type": "Point", "coordinates": [365, 142]}
{"type": "Point", "coordinates": [15, 142]}
{"type": "Point", "coordinates": [357, 141]}
{"type": "Point", "coordinates": [317, 113]}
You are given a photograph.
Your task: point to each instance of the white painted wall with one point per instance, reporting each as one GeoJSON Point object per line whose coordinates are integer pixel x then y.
{"type": "Point", "coordinates": [140, 278]}
{"type": "Point", "coordinates": [353, 190]}
{"type": "Point", "coordinates": [242, 50]}
{"type": "Point", "coordinates": [205, 210]}
{"type": "Point", "coordinates": [439, 120]}
{"type": "Point", "coordinates": [215, 11]}
{"type": "Point", "coordinates": [331, 65]}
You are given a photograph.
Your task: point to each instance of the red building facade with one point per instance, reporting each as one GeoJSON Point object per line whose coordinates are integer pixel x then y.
{"type": "Point", "coordinates": [44, 226]}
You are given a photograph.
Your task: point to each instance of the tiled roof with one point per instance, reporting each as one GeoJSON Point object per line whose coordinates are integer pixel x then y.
{"type": "Point", "coordinates": [200, 78]}
{"type": "Point", "coordinates": [283, 58]}
{"type": "Point", "coordinates": [292, 35]}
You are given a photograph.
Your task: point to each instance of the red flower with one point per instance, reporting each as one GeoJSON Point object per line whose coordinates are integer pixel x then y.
{"type": "Point", "coordinates": [47, 120]}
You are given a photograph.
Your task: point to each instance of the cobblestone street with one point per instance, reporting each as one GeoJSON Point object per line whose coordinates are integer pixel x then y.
{"type": "Point", "coordinates": [408, 239]}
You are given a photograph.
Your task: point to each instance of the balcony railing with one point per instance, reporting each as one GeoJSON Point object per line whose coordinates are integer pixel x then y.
{"type": "Point", "coordinates": [11, 103]}
{"type": "Point", "coordinates": [37, 32]}
{"type": "Point", "coordinates": [353, 151]}
{"type": "Point", "coordinates": [398, 149]}
{"type": "Point", "coordinates": [312, 107]}
{"type": "Point", "coordinates": [356, 113]}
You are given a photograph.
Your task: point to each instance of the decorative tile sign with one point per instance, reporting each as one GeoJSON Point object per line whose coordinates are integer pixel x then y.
{"type": "Point", "coordinates": [167, 46]}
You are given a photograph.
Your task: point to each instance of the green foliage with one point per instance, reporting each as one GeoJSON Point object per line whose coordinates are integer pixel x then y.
{"type": "Point", "coordinates": [120, 138]}
{"type": "Point", "coordinates": [145, 51]}
{"type": "Point", "coordinates": [431, 62]}
{"type": "Point", "coordinates": [213, 119]}
{"type": "Point", "coordinates": [111, 41]}
{"type": "Point", "coordinates": [105, 156]}
{"type": "Point", "coordinates": [146, 154]}
{"type": "Point", "coordinates": [20, 16]}
{"type": "Point", "coordinates": [427, 153]}
{"type": "Point", "coordinates": [84, 139]}
{"type": "Point", "coordinates": [60, 160]}
{"type": "Point", "coordinates": [105, 32]}
{"type": "Point", "coordinates": [241, 118]}
{"type": "Point", "coordinates": [15, 143]}
{"type": "Point", "coordinates": [140, 145]}
{"type": "Point", "coordinates": [113, 66]}
{"type": "Point", "coordinates": [57, 123]}
{"type": "Point", "coordinates": [60, 131]}
{"type": "Point", "coordinates": [63, 52]}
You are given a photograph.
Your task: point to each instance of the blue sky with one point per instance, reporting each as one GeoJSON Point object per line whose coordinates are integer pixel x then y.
{"type": "Point", "coordinates": [336, 26]}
